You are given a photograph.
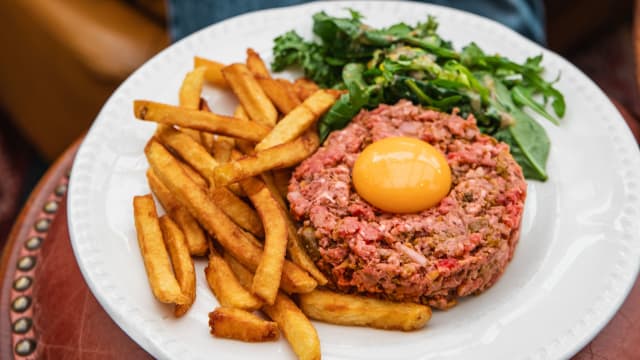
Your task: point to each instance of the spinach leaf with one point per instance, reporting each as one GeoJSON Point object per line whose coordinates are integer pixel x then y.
{"type": "Point", "coordinates": [349, 104]}
{"type": "Point", "coordinates": [524, 96]}
{"type": "Point", "coordinates": [528, 140]}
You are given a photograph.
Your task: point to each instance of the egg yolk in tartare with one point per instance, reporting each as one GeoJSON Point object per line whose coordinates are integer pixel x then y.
{"type": "Point", "coordinates": [401, 175]}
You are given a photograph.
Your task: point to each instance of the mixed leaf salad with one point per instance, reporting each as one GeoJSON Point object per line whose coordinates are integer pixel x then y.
{"type": "Point", "coordinates": [413, 62]}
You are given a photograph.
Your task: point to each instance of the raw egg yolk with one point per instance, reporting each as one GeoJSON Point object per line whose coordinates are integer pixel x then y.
{"type": "Point", "coordinates": [401, 175]}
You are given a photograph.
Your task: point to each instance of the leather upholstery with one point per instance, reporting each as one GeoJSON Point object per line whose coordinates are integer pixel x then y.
{"type": "Point", "coordinates": [63, 58]}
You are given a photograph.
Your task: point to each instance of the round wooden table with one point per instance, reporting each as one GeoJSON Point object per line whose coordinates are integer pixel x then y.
{"type": "Point", "coordinates": [47, 310]}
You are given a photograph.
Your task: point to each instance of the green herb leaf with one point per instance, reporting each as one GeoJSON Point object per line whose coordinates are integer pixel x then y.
{"type": "Point", "coordinates": [523, 96]}
{"type": "Point", "coordinates": [415, 63]}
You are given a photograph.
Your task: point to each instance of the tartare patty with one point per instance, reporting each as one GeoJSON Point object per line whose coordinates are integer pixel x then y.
{"type": "Point", "coordinates": [459, 247]}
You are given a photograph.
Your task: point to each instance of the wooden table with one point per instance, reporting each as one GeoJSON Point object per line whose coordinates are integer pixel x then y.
{"type": "Point", "coordinates": [47, 310]}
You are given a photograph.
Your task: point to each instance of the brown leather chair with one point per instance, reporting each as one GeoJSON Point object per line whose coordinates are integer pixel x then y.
{"type": "Point", "coordinates": [63, 58]}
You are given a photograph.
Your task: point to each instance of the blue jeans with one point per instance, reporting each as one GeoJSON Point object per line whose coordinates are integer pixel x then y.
{"type": "Point", "coordinates": [523, 16]}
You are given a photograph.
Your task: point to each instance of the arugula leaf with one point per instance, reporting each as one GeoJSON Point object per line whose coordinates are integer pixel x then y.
{"type": "Point", "coordinates": [524, 96]}
{"type": "Point", "coordinates": [290, 49]}
{"type": "Point", "coordinates": [528, 140]}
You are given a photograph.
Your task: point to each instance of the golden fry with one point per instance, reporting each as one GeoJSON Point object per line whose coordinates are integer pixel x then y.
{"type": "Point", "coordinates": [193, 175]}
{"type": "Point", "coordinates": [189, 95]}
{"type": "Point", "coordinates": [238, 211]}
{"type": "Point", "coordinates": [304, 88]}
{"type": "Point", "coordinates": [199, 120]}
{"type": "Point", "coordinates": [216, 222]}
{"type": "Point", "coordinates": [300, 257]}
{"type": "Point", "coordinates": [225, 286]}
{"type": "Point", "coordinates": [193, 233]}
{"type": "Point", "coordinates": [295, 250]}
{"type": "Point", "coordinates": [267, 178]}
{"type": "Point", "coordinates": [344, 309]}
{"type": "Point", "coordinates": [191, 88]}
{"type": "Point", "coordinates": [241, 325]}
{"type": "Point", "coordinates": [295, 326]}
{"type": "Point", "coordinates": [279, 92]}
{"type": "Point", "coordinates": [206, 139]}
{"type": "Point", "coordinates": [213, 74]}
{"type": "Point", "coordinates": [281, 180]}
{"type": "Point", "coordinates": [299, 119]}
{"type": "Point", "coordinates": [280, 156]}
{"type": "Point", "coordinates": [218, 145]}
{"type": "Point", "coordinates": [163, 283]}
{"type": "Point", "coordinates": [250, 94]}
{"type": "Point", "coordinates": [182, 263]}
{"type": "Point", "coordinates": [243, 145]}
{"type": "Point", "coordinates": [241, 113]}
{"type": "Point", "coordinates": [204, 163]}
{"type": "Point", "coordinates": [256, 65]}
{"type": "Point", "coordinates": [189, 150]}
{"type": "Point", "coordinates": [266, 280]}
{"type": "Point", "coordinates": [222, 147]}
{"type": "Point", "coordinates": [243, 275]}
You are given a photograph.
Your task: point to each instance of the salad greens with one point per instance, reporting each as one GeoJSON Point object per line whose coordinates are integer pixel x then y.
{"type": "Point", "coordinates": [413, 62]}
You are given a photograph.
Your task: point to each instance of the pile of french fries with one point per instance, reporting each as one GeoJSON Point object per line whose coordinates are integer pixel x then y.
{"type": "Point", "coordinates": [222, 181]}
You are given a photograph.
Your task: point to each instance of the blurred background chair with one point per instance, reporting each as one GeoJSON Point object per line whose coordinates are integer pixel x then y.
{"type": "Point", "coordinates": [63, 58]}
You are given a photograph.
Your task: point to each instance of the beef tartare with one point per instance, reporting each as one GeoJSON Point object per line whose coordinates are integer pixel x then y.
{"type": "Point", "coordinates": [459, 247]}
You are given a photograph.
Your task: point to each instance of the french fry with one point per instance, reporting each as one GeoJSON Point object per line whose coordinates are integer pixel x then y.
{"type": "Point", "coordinates": [300, 257]}
{"type": "Point", "coordinates": [238, 211]}
{"type": "Point", "coordinates": [191, 88]}
{"type": "Point", "coordinates": [241, 325]}
{"type": "Point", "coordinates": [194, 175]}
{"type": "Point", "coordinates": [280, 93]}
{"type": "Point", "coordinates": [267, 178]}
{"type": "Point", "coordinates": [280, 156]}
{"type": "Point", "coordinates": [216, 222]}
{"type": "Point", "coordinates": [256, 65]}
{"type": "Point", "coordinates": [281, 180]}
{"type": "Point", "coordinates": [225, 286]}
{"type": "Point", "coordinates": [199, 120]}
{"type": "Point", "coordinates": [269, 271]}
{"type": "Point", "coordinates": [218, 145]}
{"type": "Point", "coordinates": [213, 74]}
{"type": "Point", "coordinates": [199, 158]}
{"type": "Point", "coordinates": [206, 139]}
{"type": "Point", "coordinates": [304, 88]}
{"type": "Point", "coordinates": [181, 259]}
{"type": "Point", "coordinates": [189, 150]}
{"type": "Point", "coordinates": [295, 327]}
{"type": "Point", "coordinates": [296, 252]}
{"type": "Point", "coordinates": [243, 275]}
{"type": "Point", "coordinates": [243, 145]}
{"type": "Point", "coordinates": [344, 309]}
{"type": "Point", "coordinates": [241, 113]}
{"type": "Point", "coordinates": [250, 94]}
{"type": "Point", "coordinates": [222, 147]}
{"type": "Point", "coordinates": [163, 283]}
{"type": "Point", "coordinates": [193, 233]}
{"type": "Point", "coordinates": [299, 119]}
{"type": "Point", "coordinates": [189, 95]}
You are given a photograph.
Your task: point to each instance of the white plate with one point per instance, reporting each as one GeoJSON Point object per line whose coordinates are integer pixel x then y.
{"type": "Point", "coordinates": [578, 254]}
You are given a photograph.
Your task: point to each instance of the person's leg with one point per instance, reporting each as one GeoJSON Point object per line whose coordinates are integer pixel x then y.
{"type": "Point", "coordinates": [524, 16]}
